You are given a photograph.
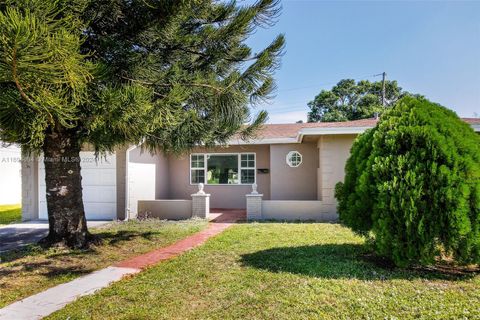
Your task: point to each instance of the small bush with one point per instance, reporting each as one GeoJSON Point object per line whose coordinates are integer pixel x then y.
{"type": "Point", "coordinates": [413, 184]}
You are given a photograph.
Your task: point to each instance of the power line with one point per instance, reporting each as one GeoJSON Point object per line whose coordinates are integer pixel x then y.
{"type": "Point", "coordinates": [294, 106]}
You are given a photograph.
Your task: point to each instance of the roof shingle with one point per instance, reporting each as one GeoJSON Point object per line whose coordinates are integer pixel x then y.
{"type": "Point", "coordinates": [290, 130]}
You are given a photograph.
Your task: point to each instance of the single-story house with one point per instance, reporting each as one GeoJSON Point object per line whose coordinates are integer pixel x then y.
{"type": "Point", "coordinates": [294, 167]}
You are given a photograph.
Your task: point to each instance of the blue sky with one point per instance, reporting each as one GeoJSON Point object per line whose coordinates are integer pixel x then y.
{"type": "Point", "coordinates": [431, 48]}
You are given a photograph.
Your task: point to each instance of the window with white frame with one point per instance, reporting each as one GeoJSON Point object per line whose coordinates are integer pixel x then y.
{"type": "Point", "coordinates": [294, 159]}
{"type": "Point", "coordinates": [197, 168]}
{"type": "Point", "coordinates": [247, 168]}
{"type": "Point", "coordinates": [219, 169]}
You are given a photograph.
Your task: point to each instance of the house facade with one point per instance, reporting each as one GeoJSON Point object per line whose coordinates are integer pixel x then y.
{"type": "Point", "coordinates": [294, 168]}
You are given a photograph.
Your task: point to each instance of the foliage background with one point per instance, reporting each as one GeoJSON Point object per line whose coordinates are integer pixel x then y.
{"type": "Point", "coordinates": [350, 100]}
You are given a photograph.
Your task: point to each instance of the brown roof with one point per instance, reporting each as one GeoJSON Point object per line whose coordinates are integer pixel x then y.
{"type": "Point", "coordinates": [472, 120]}
{"type": "Point", "coordinates": [290, 130]}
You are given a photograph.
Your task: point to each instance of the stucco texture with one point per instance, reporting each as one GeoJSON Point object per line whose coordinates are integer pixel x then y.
{"type": "Point", "coordinates": [293, 183]}
{"type": "Point", "coordinates": [323, 161]}
{"type": "Point", "coordinates": [222, 196]}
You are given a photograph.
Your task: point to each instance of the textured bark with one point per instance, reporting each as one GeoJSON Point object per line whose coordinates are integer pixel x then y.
{"type": "Point", "coordinates": [66, 215]}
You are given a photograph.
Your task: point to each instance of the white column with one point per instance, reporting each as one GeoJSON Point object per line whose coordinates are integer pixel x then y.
{"type": "Point", "coordinates": [254, 204]}
{"type": "Point", "coordinates": [200, 203]}
{"type": "Point", "coordinates": [29, 188]}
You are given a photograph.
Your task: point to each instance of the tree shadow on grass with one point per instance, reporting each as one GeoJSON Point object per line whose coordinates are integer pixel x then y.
{"type": "Point", "coordinates": [107, 238]}
{"type": "Point", "coordinates": [46, 268]}
{"type": "Point", "coordinates": [341, 261]}
{"type": "Point", "coordinates": [114, 238]}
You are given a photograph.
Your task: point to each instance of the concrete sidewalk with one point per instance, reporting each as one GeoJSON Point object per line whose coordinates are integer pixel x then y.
{"type": "Point", "coordinates": [54, 299]}
{"type": "Point", "coordinates": [17, 235]}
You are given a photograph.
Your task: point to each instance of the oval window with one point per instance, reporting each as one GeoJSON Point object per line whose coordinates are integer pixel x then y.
{"type": "Point", "coordinates": [294, 159]}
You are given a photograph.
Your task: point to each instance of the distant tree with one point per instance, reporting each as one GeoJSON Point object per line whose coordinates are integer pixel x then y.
{"type": "Point", "coordinates": [350, 100]}
{"type": "Point", "coordinates": [412, 183]}
{"type": "Point", "coordinates": [168, 74]}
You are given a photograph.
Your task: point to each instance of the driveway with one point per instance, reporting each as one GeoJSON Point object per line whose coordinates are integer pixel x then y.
{"type": "Point", "coordinates": [14, 236]}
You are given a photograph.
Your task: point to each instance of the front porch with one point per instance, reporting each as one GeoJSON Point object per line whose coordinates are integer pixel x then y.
{"type": "Point", "coordinates": [296, 180]}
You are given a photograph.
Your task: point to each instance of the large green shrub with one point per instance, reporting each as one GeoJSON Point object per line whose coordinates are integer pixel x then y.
{"type": "Point", "coordinates": [413, 184]}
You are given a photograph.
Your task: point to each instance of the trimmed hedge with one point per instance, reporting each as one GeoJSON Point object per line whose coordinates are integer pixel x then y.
{"type": "Point", "coordinates": [413, 184]}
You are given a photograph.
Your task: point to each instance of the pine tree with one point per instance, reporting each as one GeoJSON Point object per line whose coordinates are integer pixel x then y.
{"type": "Point", "coordinates": [412, 184]}
{"type": "Point", "coordinates": [168, 74]}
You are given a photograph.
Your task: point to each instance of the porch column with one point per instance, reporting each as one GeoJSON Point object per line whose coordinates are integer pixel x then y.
{"type": "Point", "coordinates": [200, 203]}
{"type": "Point", "coordinates": [254, 204]}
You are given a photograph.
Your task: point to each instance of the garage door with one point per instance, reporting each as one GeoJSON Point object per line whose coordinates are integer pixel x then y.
{"type": "Point", "coordinates": [99, 187]}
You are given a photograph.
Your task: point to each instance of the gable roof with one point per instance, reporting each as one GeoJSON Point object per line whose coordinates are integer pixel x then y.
{"type": "Point", "coordinates": [294, 132]}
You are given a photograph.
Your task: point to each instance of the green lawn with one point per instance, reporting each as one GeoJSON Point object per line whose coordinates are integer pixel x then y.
{"type": "Point", "coordinates": [33, 269]}
{"type": "Point", "coordinates": [282, 271]}
{"type": "Point", "coordinates": [10, 213]}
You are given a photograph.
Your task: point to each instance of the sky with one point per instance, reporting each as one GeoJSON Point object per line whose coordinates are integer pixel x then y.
{"type": "Point", "coordinates": [429, 47]}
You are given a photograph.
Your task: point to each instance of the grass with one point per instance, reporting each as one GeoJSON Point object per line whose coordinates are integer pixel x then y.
{"type": "Point", "coordinates": [32, 269]}
{"type": "Point", "coordinates": [10, 213]}
{"type": "Point", "coordinates": [282, 271]}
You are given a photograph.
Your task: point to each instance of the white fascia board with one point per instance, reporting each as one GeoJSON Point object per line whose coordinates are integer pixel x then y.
{"type": "Point", "coordinates": [263, 141]}
{"type": "Point", "coordinates": [313, 132]}
{"type": "Point", "coordinates": [300, 134]}
{"type": "Point", "coordinates": [332, 130]}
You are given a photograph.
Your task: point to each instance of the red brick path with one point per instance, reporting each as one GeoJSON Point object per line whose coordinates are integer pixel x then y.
{"type": "Point", "coordinates": [222, 219]}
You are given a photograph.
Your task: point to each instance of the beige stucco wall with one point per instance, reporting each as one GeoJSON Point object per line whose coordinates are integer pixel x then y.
{"type": "Point", "coordinates": [296, 210]}
{"type": "Point", "coordinates": [315, 179]}
{"type": "Point", "coordinates": [222, 196]}
{"type": "Point", "coordinates": [121, 186]}
{"type": "Point", "coordinates": [281, 183]}
{"type": "Point", "coordinates": [163, 177]}
{"type": "Point", "coordinates": [334, 151]}
{"type": "Point", "coordinates": [166, 209]}
{"type": "Point", "coordinates": [289, 183]}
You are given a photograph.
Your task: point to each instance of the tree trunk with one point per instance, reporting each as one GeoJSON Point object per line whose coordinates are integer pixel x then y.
{"type": "Point", "coordinates": [66, 215]}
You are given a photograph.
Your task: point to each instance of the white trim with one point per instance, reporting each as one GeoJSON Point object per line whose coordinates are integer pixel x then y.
{"type": "Point", "coordinates": [254, 168]}
{"type": "Point", "coordinates": [205, 168]}
{"type": "Point", "coordinates": [314, 132]}
{"type": "Point", "coordinates": [301, 133]}
{"type": "Point", "coordinates": [263, 141]}
{"type": "Point", "coordinates": [289, 154]}
{"type": "Point", "coordinates": [332, 130]}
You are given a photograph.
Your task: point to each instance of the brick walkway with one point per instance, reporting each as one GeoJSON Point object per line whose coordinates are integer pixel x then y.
{"type": "Point", "coordinates": [222, 219]}
{"type": "Point", "coordinates": [45, 303]}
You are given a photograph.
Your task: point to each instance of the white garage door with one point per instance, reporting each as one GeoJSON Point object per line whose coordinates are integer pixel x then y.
{"type": "Point", "coordinates": [99, 187]}
{"type": "Point", "coordinates": [10, 175]}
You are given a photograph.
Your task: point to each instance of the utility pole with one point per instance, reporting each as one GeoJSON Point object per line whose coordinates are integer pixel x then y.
{"type": "Point", "coordinates": [384, 76]}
